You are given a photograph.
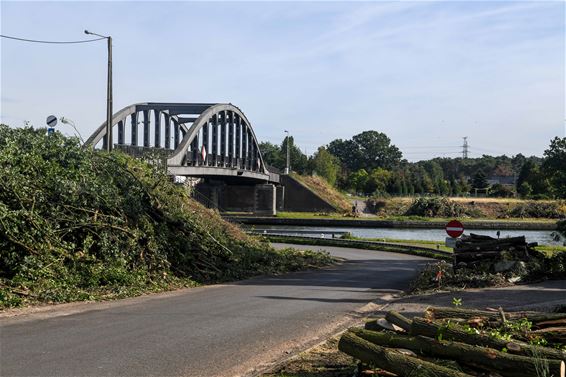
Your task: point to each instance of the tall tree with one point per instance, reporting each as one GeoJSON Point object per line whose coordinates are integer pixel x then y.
{"type": "Point", "coordinates": [554, 166]}
{"type": "Point", "coordinates": [326, 165]}
{"type": "Point", "coordinates": [368, 150]}
{"type": "Point", "coordinates": [347, 152]}
{"type": "Point", "coordinates": [479, 181]}
{"type": "Point", "coordinates": [358, 180]}
{"type": "Point", "coordinates": [271, 154]}
{"type": "Point", "coordinates": [537, 180]}
{"type": "Point", "coordinates": [376, 150]}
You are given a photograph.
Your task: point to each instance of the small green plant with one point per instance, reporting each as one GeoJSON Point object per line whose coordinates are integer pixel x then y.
{"type": "Point", "coordinates": [470, 330]}
{"type": "Point", "coordinates": [456, 302]}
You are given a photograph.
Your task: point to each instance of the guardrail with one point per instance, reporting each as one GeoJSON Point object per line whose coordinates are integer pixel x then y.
{"type": "Point", "coordinates": [360, 244]}
{"type": "Point", "coordinates": [291, 232]}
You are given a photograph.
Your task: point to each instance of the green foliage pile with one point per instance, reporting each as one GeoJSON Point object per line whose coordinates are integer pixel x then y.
{"type": "Point", "coordinates": [553, 267]}
{"type": "Point", "coordinates": [441, 275]}
{"type": "Point", "coordinates": [534, 209]}
{"type": "Point", "coordinates": [437, 207]}
{"type": "Point", "coordinates": [78, 224]}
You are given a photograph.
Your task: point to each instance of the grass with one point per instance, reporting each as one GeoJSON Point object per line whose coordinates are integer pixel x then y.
{"type": "Point", "coordinates": [401, 248]}
{"type": "Point", "coordinates": [409, 199]}
{"type": "Point", "coordinates": [551, 250]}
{"type": "Point", "coordinates": [319, 215]}
{"type": "Point", "coordinates": [437, 245]}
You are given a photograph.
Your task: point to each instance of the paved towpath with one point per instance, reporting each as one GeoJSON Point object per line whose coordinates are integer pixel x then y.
{"type": "Point", "coordinates": [222, 330]}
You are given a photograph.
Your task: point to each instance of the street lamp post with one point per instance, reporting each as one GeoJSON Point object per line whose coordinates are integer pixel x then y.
{"type": "Point", "coordinates": [287, 167]}
{"type": "Point", "coordinates": [72, 124]}
{"type": "Point", "coordinates": [108, 92]}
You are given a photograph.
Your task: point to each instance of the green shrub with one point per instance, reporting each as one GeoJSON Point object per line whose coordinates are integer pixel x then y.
{"type": "Point", "coordinates": [501, 191]}
{"type": "Point", "coordinates": [532, 209]}
{"type": "Point", "coordinates": [555, 266]}
{"type": "Point", "coordinates": [78, 224]}
{"type": "Point", "coordinates": [438, 207]}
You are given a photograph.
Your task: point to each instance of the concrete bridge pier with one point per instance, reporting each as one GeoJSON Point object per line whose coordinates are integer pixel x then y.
{"type": "Point", "coordinates": [265, 199]}
{"type": "Point", "coordinates": [261, 199]}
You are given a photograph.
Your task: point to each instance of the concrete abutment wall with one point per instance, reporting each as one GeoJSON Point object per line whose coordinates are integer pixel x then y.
{"type": "Point", "coordinates": [261, 199]}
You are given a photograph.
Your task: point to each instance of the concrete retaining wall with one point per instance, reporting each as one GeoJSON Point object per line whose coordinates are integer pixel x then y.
{"type": "Point", "coordinates": [299, 198]}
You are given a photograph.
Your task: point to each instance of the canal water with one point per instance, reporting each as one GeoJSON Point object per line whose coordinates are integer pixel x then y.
{"type": "Point", "coordinates": [543, 237]}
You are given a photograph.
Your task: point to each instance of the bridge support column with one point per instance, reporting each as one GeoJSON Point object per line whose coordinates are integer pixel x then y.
{"type": "Point", "coordinates": [280, 201]}
{"type": "Point", "coordinates": [208, 194]}
{"type": "Point", "coordinates": [265, 198]}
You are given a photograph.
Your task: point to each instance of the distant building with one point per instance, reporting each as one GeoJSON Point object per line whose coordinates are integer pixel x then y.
{"type": "Point", "coordinates": [502, 180]}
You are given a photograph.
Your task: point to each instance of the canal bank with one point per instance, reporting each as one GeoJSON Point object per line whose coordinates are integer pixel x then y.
{"type": "Point", "coordinates": [370, 223]}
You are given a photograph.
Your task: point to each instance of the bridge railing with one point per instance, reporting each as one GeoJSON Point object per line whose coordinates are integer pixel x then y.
{"type": "Point", "coordinates": [194, 158]}
{"type": "Point", "coordinates": [154, 156]}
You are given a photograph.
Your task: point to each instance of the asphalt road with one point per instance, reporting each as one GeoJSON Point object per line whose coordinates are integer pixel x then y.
{"type": "Point", "coordinates": [222, 330]}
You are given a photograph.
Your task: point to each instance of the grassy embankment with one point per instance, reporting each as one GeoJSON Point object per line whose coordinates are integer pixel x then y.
{"type": "Point", "coordinates": [341, 216]}
{"type": "Point", "coordinates": [431, 208]}
{"type": "Point", "coordinates": [320, 187]}
{"type": "Point", "coordinates": [427, 209]}
{"type": "Point", "coordinates": [443, 209]}
{"type": "Point", "coordinates": [82, 225]}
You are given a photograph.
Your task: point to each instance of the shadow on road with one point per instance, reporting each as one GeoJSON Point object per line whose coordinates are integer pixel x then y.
{"type": "Point", "coordinates": [361, 274]}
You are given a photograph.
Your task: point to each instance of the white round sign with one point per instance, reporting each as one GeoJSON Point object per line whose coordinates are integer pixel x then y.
{"type": "Point", "coordinates": [51, 120]}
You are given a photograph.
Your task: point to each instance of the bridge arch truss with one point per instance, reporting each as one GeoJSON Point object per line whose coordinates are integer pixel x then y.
{"type": "Point", "coordinates": [195, 139]}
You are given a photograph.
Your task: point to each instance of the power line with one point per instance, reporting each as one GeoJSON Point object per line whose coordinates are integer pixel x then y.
{"type": "Point", "coordinates": [487, 150]}
{"type": "Point", "coordinates": [430, 147]}
{"type": "Point", "coordinates": [429, 152]}
{"type": "Point", "coordinates": [50, 42]}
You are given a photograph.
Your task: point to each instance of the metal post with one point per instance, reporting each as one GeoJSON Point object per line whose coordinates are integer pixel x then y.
{"type": "Point", "coordinates": [108, 92]}
{"type": "Point", "coordinates": [287, 165]}
{"type": "Point", "coordinates": [109, 99]}
{"type": "Point", "coordinates": [134, 133]}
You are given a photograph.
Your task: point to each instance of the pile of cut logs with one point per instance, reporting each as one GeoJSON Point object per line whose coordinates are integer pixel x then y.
{"type": "Point", "coordinates": [453, 342]}
{"type": "Point", "coordinates": [478, 248]}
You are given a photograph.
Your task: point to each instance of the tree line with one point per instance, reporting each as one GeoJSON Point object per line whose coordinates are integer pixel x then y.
{"type": "Point", "coordinates": [369, 164]}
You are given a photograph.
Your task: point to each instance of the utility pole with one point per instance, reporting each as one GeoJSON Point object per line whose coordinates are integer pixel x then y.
{"type": "Point", "coordinates": [287, 165]}
{"type": "Point", "coordinates": [465, 148]}
{"type": "Point", "coordinates": [109, 98]}
{"type": "Point", "coordinates": [108, 92]}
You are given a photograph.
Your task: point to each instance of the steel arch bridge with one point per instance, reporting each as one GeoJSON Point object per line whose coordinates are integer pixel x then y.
{"type": "Point", "coordinates": [196, 139]}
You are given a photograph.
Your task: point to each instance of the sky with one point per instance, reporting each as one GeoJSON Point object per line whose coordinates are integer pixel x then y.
{"type": "Point", "coordinates": [424, 73]}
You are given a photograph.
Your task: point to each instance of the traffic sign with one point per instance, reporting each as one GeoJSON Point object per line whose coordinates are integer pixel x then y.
{"type": "Point", "coordinates": [454, 228]}
{"type": "Point", "coordinates": [203, 153]}
{"type": "Point", "coordinates": [51, 120]}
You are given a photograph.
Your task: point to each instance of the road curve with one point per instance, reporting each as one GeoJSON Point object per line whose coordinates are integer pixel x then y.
{"type": "Point", "coordinates": [223, 330]}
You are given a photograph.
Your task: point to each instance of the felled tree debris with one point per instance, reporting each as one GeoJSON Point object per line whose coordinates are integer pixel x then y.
{"type": "Point", "coordinates": [474, 250]}
{"type": "Point", "coordinates": [443, 343]}
{"type": "Point", "coordinates": [392, 360]}
{"type": "Point", "coordinates": [453, 331]}
{"type": "Point", "coordinates": [485, 358]}
{"type": "Point", "coordinates": [439, 312]}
